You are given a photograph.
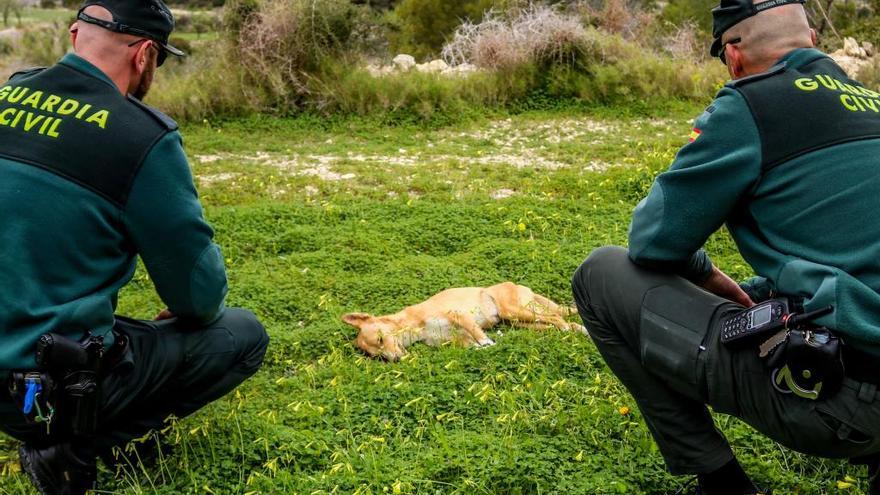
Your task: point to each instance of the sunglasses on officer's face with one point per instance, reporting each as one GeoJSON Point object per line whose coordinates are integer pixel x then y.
{"type": "Point", "coordinates": [162, 53]}
{"type": "Point", "coordinates": [723, 54]}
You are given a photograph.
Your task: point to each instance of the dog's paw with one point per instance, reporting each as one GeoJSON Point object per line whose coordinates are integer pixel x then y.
{"type": "Point", "coordinates": [486, 343]}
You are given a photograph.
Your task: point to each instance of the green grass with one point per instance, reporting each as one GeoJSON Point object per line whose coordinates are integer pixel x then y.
{"type": "Point", "coordinates": [42, 16]}
{"type": "Point", "coordinates": [209, 36]}
{"type": "Point", "coordinates": [401, 213]}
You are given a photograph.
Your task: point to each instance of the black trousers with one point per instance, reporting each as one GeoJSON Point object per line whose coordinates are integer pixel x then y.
{"type": "Point", "coordinates": [168, 368]}
{"type": "Point", "coordinates": [659, 334]}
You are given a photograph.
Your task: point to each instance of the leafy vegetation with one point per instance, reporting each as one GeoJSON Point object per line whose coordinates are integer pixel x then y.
{"type": "Point", "coordinates": [287, 57]}
{"type": "Point", "coordinates": [422, 27]}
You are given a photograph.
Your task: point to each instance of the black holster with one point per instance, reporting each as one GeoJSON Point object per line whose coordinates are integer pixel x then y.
{"type": "Point", "coordinates": [809, 364]}
{"type": "Point", "coordinates": [75, 369]}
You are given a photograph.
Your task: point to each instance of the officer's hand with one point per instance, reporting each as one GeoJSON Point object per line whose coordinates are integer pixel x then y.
{"type": "Point", "coordinates": [164, 315]}
{"type": "Point", "coordinates": [723, 286]}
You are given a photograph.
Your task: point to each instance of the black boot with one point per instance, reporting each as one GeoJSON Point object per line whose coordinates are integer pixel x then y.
{"type": "Point", "coordinates": [729, 479]}
{"type": "Point", "coordinates": [60, 469]}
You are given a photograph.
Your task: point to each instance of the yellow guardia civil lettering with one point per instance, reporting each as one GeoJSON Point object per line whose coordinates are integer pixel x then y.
{"type": "Point", "coordinates": [854, 98]}
{"type": "Point", "coordinates": [54, 105]}
{"type": "Point", "coordinates": [806, 84]}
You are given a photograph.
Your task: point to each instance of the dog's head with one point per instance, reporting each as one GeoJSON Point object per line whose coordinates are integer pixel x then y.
{"type": "Point", "coordinates": [377, 336]}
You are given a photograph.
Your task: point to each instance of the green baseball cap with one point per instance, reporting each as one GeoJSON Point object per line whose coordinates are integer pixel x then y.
{"type": "Point", "coordinates": [732, 12]}
{"type": "Point", "coordinates": [150, 19]}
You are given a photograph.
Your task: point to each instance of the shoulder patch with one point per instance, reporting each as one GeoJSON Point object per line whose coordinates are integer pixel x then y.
{"type": "Point", "coordinates": [775, 70]}
{"type": "Point", "coordinates": [27, 73]}
{"type": "Point", "coordinates": [705, 116]}
{"type": "Point", "coordinates": [166, 121]}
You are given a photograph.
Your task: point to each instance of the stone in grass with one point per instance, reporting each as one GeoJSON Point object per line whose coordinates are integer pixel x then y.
{"type": "Point", "coordinates": [433, 67]}
{"type": "Point", "coordinates": [852, 49]}
{"type": "Point", "coordinates": [460, 70]}
{"type": "Point", "coordinates": [404, 62]}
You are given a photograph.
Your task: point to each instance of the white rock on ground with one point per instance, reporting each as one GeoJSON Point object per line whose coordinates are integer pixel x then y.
{"type": "Point", "coordinates": [404, 62]}
{"type": "Point", "coordinates": [851, 47]}
{"type": "Point", "coordinates": [852, 57]}
{"type": "Point", "coordinates": [433, 67]}
{"type": "Point", "coordinates": [379, 71]}
{"type": "Point", "coordinates": [460, 70]}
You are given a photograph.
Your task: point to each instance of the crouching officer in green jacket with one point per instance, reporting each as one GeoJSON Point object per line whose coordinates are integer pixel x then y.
{"type": "Point", "coordinates": [91, 179]}
{"type": "Point", "coordinates": [787, 156]}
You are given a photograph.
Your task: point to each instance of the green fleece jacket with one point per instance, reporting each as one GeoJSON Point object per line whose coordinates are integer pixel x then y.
{"type": "Point", "coordinates": [65, 251]}
{"type": "Point", "coordinates": [806, 226]}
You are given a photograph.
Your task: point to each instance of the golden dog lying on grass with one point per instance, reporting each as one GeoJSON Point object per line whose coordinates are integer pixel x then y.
{"type": "Point", "coordinates": [460, 315]}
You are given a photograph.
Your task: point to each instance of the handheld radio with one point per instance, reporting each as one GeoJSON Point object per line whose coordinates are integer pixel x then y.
{"type": "Point", "coordinates": [763, 320]}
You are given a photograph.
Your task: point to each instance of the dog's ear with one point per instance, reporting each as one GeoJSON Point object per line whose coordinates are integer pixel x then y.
{"type": "Point", "coordinates": [356, 319]}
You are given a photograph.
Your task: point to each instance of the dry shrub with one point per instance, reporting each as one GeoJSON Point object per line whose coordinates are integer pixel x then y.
{"type": "Point", "coordinates": [616, 17]}
{"type": "Point", "coordinates": [497, 49]}
{"type": "Point", "coordinates": [535, 34]}
{"type": "Point", "coordinates": [619, 17]}
{"type": "Point", "coordinates": [287, 39]}
{"type": "Point", "coordinates": [685, 43]}
{"type": "Point", "coordinates": [553, 36]}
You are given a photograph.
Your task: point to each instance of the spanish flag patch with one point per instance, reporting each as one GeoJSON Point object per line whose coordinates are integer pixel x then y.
{"type": "Point", "coordinates": [695, 135]}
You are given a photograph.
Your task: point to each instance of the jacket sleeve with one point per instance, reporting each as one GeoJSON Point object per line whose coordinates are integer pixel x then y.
{"type": "Point", "coordinates": [164, 218]}
{"type": "Point", "coordinates": [690, 201]}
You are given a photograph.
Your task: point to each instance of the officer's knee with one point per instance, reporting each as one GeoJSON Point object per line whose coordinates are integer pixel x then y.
{"type": "Point", "coordinates": [598, 263]}
{"type": "Point", "coordinates": [251, 339]}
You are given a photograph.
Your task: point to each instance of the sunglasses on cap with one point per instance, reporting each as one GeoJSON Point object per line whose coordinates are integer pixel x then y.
{"type": "Point", "coordinates": [162, 53]}
{"type": "Point", "coordinates": [723, 53]}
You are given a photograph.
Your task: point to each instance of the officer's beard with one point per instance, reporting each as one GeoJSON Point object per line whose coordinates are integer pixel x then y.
{"type": "Point", "coordinates": [146, 82]}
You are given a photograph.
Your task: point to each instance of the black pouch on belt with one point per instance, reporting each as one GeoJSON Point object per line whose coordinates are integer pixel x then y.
{"type": "Point", "coordinates": [809, 364]}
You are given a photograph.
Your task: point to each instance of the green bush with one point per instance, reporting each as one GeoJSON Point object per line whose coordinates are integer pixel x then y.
{"type": "Point", "coordinates": [304, 56]}
{"type": "Point", "coordinates": [861, 24]}
{"type": "Point", "coordinates": [697, 12]}
{"type": "Point", "coordinates": [43, 45]}
{"type": "Point", "coordinates": [423, 26]}
{"type": "Point", "coordinates": [413, 96]}
{"type": "Point", "coordinates": [237, 13]}
{"type": "Point", "coordinates": [587, 64]}
{"type": "Point", "coordinates": [207, 86]}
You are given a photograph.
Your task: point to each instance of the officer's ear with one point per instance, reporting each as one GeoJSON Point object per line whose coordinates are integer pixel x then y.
{"type": "Point", "coordinates": [814, 36]}
{"type": "Point", "coordinates": [735, 62]}
{"type": "Point", "coordinates": [143, 56]}
{"type": "Point", "coordinates": [74, 30]}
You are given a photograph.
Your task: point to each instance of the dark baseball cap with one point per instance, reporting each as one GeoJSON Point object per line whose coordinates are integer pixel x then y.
{"type": "Point", "coordinates": [732, 12]}
{"type": "Point", "coordinates": [150, 19]}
